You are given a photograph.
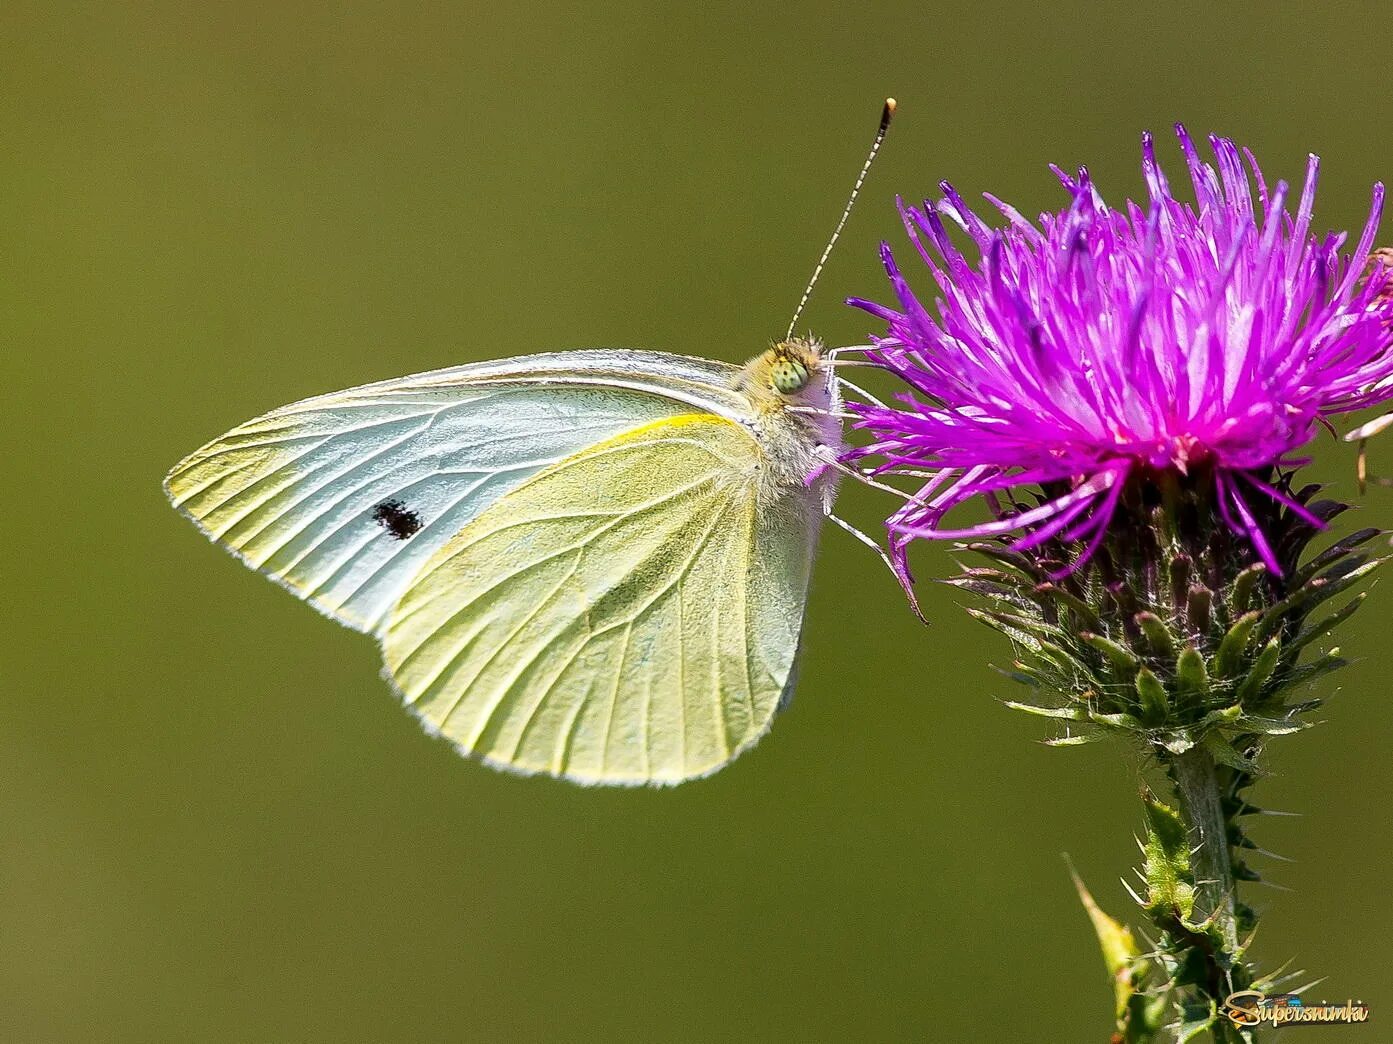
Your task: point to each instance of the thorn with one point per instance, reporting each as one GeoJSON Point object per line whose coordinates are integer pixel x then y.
{"type": "Point", "coordinates": [1131, 891]}
{"type": "Point", "coordinates": [1248, 942]}
{"type": "Point", "coordinates": [1289, 977]}
{"type": "Point", "coordinates": [1209, 920]}
{"type": "Point", "coordinates": [1089, 904]}
{"type": "Point", "coordinates": [1281, 968]}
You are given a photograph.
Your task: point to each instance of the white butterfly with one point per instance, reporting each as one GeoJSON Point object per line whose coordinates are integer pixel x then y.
{"type": "Point", "coordinates": [591, 564]}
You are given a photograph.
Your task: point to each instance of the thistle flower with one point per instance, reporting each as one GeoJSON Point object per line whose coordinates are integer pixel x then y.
{"type": "Point", "coordinates": [1128, 392]}
{"type": "Point", "coordinates": [1101, 345]}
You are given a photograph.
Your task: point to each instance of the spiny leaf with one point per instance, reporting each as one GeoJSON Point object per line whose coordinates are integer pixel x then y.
{"type": "Point", "coordinates": [1224, 716]}
{"type": "Point", "coordinates": [1029, 625]}
{"type": "Point", "coordinates": [1121, 658]}
{"type": "Point", "coordinates": [1117, 721]}
{"type": "Point", "coordinates": [1061, 659]}
{"type": "Point", "coordinates": [1224, 752]}
{"type": "Point", "coordinates": [1191, 674]}
{"type": "Point", "coordinates": [1022, 674]}
{"type": "Point", "coordinates": [1120, 952]}
{"type": "Point", "coordinates": [1333, 553]}
{"type": "Point", "coordinates": [1241, 593]}
{"type": "Point", "coordinates": [1070, 741]}
{"type": "Point", "coordinates": [1310, 632]}
{"type": "Point", "coordinates": [1086, 614]}
{"type": "Point", "coordinates": [1331, 661]}
{"type": "Point", "coordinates": [988, 573]}
{"type": "Point", "coordinates": [1195, 1020]}
{"type": "Point", "coordinates": [1260, 671]}
{"type": "Point", "coordinates": [1199, 607]}
{"type": "Point", "coordinates": [1153, 696]}
{"type": "Point", "coordinates": [1344, 567]}
{"type": "Point", "coordinates": [1234, 644]}
{"type": "Point", "coordinates": [1269, 726]}
{"type": "Point", "coordinates": [1169, 882]}
{"type": "Point", "coordinates": [1346, 578]}
{"type": "Point", "coordinates": [1065, 713]}
{"type": "Point", "coordinates": [984, 588]}
{"type": "Point", "coordinates": [1158, 635]}
{"type": "Point", "coordinates": [1013, 560]}
{"type": "Point", "coordinates": [1324, 510]}
{"type": "Point", "coordinates": [1314, 592]}
{"type": "Point", "coordinates": [1014, 633]}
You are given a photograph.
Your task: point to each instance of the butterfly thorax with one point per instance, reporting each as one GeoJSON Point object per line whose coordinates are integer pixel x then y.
{"type": "Point", "coordinates": [793, 406]}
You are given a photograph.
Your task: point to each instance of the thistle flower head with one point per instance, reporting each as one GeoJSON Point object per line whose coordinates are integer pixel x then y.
{"type": "Point", "coordinates": [1098, 345]}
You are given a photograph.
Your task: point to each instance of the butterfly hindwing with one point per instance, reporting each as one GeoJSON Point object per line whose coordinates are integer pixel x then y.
{"type": "Point", "coordinates": [628, 615]}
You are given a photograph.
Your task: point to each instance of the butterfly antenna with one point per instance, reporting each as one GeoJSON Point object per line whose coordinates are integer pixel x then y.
{"type": "Point", "coordinates": [885, 115]}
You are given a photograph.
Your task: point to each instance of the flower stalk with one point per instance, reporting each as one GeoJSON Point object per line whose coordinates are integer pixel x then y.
{"type": "Point", "coordinates": [1197, 786]}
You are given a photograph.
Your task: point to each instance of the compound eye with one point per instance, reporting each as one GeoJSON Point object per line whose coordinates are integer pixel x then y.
{"type": "Point", "coordinates": [789, 376]}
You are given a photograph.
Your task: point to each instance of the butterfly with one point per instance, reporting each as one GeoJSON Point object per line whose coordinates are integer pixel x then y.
{"type": "Point", "coordinates": [591, 564]}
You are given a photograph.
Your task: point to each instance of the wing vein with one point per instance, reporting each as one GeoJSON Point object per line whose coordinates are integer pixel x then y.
{"type": "Point", "coordinates": [614, 697]}
{"type": "Point", "coordinates": [615, 517]}
{"type": "Point", "coordinates": [464, 690]}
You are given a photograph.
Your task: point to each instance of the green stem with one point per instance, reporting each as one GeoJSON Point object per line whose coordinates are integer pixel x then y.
{"type": "Point", "coordinates": [1201, 803]}
{"type": "Point", "coordinates": [1199, 787]}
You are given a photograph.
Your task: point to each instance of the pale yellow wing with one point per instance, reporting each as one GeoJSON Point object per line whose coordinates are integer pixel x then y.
{"type": "Point", "coordinates": [629, 615]}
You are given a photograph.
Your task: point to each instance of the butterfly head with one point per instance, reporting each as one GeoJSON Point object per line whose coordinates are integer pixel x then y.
{"type": "Point", "coordinates": [793, 393]}
{"type": "Point", "coordinates": [790, 367]}
{"type": "Point", "coordinates": [785, 373]}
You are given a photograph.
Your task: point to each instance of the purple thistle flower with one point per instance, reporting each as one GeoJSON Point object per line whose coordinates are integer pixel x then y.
{"type": "Point", "coordinates": [1105, 345]}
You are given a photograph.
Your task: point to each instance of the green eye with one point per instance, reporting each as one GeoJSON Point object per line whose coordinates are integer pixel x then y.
{"type": "Point", "coordinates": [789, 376]}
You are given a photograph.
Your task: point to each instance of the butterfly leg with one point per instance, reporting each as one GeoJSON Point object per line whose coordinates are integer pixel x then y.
{"type": "Point", "coordinates": [1363, 475]}
{"type": "Point", "coordinates": [884, 556]}
{"type": "Point", "coordinates": [829, 459]}
{"type": "Point", "coordinates": [820, 412]}
{"type": "Point", "coordinates": [833, 363]}
{"type": "Point", "coordinates": [832, 353]}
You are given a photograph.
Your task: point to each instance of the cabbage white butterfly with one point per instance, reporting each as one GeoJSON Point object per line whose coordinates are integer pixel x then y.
{"type": "Point", "coordinates": [591, 564]}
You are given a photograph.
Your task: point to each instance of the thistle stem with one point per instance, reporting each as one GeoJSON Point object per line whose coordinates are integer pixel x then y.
{"type": "Point", "coordinates": [1201, 803]}
{"type": "Point", "coordinates": [1199, 783]}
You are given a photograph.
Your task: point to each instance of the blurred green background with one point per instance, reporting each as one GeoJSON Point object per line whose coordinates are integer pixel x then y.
{"type": "Point", "coordinates": [216, 823]}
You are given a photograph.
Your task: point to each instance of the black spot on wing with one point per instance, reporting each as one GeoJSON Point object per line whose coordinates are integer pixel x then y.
{"type": "Point", "coordinates": [393, 516]}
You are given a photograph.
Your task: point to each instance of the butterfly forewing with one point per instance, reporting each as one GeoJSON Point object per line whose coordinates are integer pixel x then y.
{"type": "Point", "coordinates": [344, 497]}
